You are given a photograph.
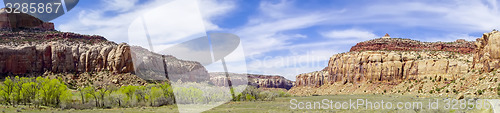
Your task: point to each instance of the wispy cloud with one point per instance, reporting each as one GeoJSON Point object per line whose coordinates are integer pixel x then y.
{"type": "Point", "coordinates": [279, 29]}
{"type": "Point", "coordinates": [113, 22]}
{"type": "Point", "coordinates": [349, 33]}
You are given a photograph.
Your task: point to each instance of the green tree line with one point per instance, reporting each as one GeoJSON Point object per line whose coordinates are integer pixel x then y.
{"type": "Point", "coordinates": [42, 91]}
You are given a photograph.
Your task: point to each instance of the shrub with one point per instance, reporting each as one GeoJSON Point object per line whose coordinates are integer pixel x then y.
{"type": "Point", "coordinates": [479, 92]}
{"type": "Point", "coordinates": [249, 97]}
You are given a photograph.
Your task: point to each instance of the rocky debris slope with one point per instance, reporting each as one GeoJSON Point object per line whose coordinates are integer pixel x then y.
{"type": "Point", "coordinates": [259, 81]}
{"type": "Point", "coordinates": [469, 85]}
{"type": "Point", "coordinates": [487, 54]}
{"type": "Point", "coordinates": [98, 79]}
{"type": "Point", "coordinates": [57, 52]}
{"type": "Point", "coordinates": [398, 44]}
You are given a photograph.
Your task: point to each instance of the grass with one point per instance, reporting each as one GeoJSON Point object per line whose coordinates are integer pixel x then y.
{"type": "Point", "coordinates": [277, 106]}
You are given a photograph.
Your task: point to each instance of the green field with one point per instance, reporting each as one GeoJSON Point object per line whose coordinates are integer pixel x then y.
{"type": "Point", "coordinates": [281, 104]}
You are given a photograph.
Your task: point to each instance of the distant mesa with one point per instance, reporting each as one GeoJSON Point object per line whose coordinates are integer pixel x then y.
{"type": "Point", "coordinates": [22, 21]}
{"type": "Point", "coordinates": [399, 44]}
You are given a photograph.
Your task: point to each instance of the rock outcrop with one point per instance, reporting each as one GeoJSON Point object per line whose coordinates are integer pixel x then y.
{"type": "Point", "coordinates": [487, 54]}
{"type": "Point", "coordinates": [259, 81]}
{"type": "Point", "coordinates": [393, 60]}
{"type": "Point", "coordinates": [456, 69]}
{"type": "Point", "coordinates": [57, 52]}
{"type": "Point", "coordinates": [63, 57]}
{"type": "Point", "coordinates": [22, 21]}
{"type": "Point", "coordinates": [314, 79]}
{"type": "Point", "coordinates": [153, 66]}
{"type": "Point", "coordinates": [398, 44]}
{"type": "Point", "coordinates": [388, 66]}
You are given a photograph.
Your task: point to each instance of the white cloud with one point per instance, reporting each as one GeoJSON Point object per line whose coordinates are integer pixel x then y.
{"type": "Point", "coordinates": [213, 10]}
{"type": "Point", "coordinates": [271, 29]}
{"type": "Point", "coordinates": [349, 33]}
{"type": "Point", "coordinates": [455, 15]}
{"type": "Point", "coordinates": [268, 34]}
{"type": "Point", "coordinates": [115, 27]}
{"type": "Point", "coordinates": [120, 5]}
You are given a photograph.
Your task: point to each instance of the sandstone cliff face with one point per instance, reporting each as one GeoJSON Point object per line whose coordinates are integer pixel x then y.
{"type": "Point", "coordinates": [462, 71]}
{"type": "Point", "coordinates": [259, 81]}
{"type": "Point", "coordinates": [153, 66]}
{"type": "Point", "coordinates": [387, 66]}
{"type": "Point", "coordinates": [61, 57]}
{"type": "Point", "coordinates": [313, 79]}
{"type": "Point", "coordinates": [17, 21]}
{"type": "Point", "coordinates": [56, 52]}
{"type": "Point", "coordinates": [487, 54]}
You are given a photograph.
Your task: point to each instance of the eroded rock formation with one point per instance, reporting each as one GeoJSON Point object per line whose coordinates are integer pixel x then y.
{"type": "Point", "coordinates": [259, 81]}
{"type": "Point", "coordinates": [61, 56]}
{"type": "Point", "coordinates": [56, 52]}
{"type": "Point", "coordinates": [314, 79]}
{"type": "Point", "coordinates": [465, 71]}
{"type": "Point", "coordinates": [398, 44]}
{"type": "Point", "coordinates": [391, 61]}
{"type": "Point", "coordinates": [153, 66]}
{"type": "Point", "coordinates": [487, 54]}
{"type": "Point", "coordinates": [19, 21]}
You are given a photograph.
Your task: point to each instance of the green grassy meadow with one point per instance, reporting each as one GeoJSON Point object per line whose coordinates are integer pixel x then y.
{"type": "Point", "coordinates": [281, 104]}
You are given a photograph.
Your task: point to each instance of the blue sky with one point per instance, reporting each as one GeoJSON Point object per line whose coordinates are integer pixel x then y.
{"type": "Point", "coordinates": [289, 37]}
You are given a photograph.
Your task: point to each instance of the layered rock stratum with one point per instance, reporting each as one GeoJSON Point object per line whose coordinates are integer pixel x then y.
{"type": "Point", "coordinates": [392, 64]}
{"type": "Point", "coordinates": [24, 53]}
{"type": "Point", "coordinates": [487, 54]}
{"type": "Point", "coordinates": [404, 66]}
{"type": "Point", "coordinates": [388, 66]}
{"type": "Point", "coordinates": [399, 44]}
{"type": "Point", "coordinates": [259, 81]}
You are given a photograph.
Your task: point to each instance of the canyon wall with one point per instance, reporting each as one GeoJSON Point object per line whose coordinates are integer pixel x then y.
{"type": "Point", "coordinates": [392, 64]}
{"type": "Point", "coordinates": [399, 44]}
{"type": "Point", "coordinates": [487, 54]}
{"type": "Point", "coordinates": [61, 57]}
{"type": "Point", "coordinates": [259, 81]}
{"type": "Point", "coordinates": [18, 21]}
{"type": "Point", "coordinates": [56, 52]}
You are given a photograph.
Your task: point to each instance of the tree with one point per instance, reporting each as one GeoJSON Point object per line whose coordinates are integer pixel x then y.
{"type": "Point", "coordinates": [29, 91]}
{"type": "Point", "coordinates": [82, 94]}
{"type": "Point", "coordinates": [154, 94]}
{"type": "Point", "coordinates": [102, 93]}
{"type": "Point", "coordinates": [118, 97]}
{"type": "Point", "coordinates": [168, 92]}
{"type": "Point", "coordinates": [51, 91]}
{"type": "Point", "coordinates": [7, 89]}
{"type": "Point", "coordinates": [3, 93]}
{"type": "Point", "coordinates": [90, 93]}
{"type": "Point", "coordinates": [141, 93]}
{"type": "Point", "coordinates": [129, 91]}
{"type": "Point", "coordinates": [17, 95]}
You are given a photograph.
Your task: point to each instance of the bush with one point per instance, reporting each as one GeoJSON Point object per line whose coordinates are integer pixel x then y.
{"type": "Point", "coordinates": [249, 97]}
{"type": "Point", "coordinates": [479, 92]}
